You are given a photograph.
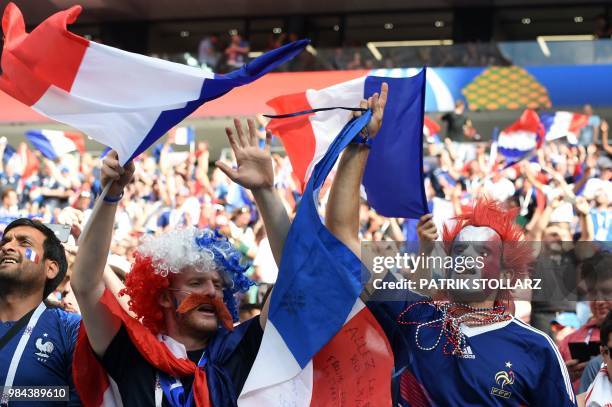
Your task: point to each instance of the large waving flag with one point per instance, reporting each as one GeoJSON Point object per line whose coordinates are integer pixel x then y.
{"type": "Point", "coordinates": [321, 346]}
{"type": "Point", "coordinates": [393, 178]}
{"type": "Point", "coordinates": [55, 143]}
{"type": "Point", "coordinates": [123, 100]}
{"type": "Point", "coordinates": [521, 137]}
{"type": "Point", "coordinates": [563, 124]}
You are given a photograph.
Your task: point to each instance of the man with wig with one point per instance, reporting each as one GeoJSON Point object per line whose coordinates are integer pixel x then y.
{"type": "Point", "coordinates": [183, 348]}
{"type": "Point", "coordinates": [458, 347]}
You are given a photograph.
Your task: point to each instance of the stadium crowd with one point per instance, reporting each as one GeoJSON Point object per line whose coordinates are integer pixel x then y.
{"type": "Point", "coordinates": [563, 195]}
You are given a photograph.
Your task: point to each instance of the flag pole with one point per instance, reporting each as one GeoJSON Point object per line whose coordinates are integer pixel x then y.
{"type": "Point", "coordinates": [94, 212]}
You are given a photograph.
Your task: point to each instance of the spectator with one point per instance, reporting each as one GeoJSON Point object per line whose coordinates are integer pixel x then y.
{"type": "Point", "coordinates": [459, 130]}
{"type": "Point", "coordinates": [207, 52]}
{"type": "Point", "coordinates": [602, 27]}
{"type": "Point", "coordinates": [590, 133]}
{"type": "Point", "coordinates": [597, 274]}
{"type": "Point", "coordinates": [38, 341]}
{"type": "Point", "coordinates": [237, 51]}
{"type": "Point", "coordinates": [599, 393]}
{"type": "Point", "coordinates": [356, 62]}
{"type": "Point", "coordinates": [9, 203]}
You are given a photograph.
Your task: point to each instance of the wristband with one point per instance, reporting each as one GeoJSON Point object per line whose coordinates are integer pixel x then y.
{"type": "Point", "coordinates": [113, 199]}
{"type": "Point", "coordinates": [364, 138]}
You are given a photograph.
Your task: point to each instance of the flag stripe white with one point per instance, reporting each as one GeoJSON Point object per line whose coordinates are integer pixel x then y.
{"type": "Point", "coordinates": [327, 125]}
{"type": "Point", "coordinates": [560, 125]}
{"type": "Point", "coordinates": [60, 143]}
{"type": "Point", "coordinates": [275, 378]}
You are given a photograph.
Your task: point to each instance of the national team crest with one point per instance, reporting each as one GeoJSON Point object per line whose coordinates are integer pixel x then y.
{"type": "Point", "coordinates": [44, 347]}
{"type": "Point", "coordinates": [503, 378]}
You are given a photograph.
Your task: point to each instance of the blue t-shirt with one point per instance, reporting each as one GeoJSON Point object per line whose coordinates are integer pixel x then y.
{"type": "Point", "coordinates": [47, 357]}
{"type": "Point", "coordinates": [504, 364]}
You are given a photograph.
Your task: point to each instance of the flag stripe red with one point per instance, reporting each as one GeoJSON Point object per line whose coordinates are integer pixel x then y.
{"type": "Point", "coordinates": [28, 69]}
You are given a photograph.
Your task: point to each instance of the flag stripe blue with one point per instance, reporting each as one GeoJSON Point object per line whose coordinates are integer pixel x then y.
{"type": "Point", "coordinates": [319, 278]}
{"type": "Point", "coordinates": [393, 178]}
{"type": "Point", "coordinates": [42, 144]}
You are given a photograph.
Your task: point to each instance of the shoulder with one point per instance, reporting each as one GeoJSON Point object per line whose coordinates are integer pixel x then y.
{"type": "Point", "coordinates": [540, 346]}
{"type": "Point", "coordinates": [543, 348]}
{"type": "Point", "coordinates": [226, 342]}
{"type": "Point", "coordinates": [534, 337]}
{"type": "Point", "coordinates": [69, 321]}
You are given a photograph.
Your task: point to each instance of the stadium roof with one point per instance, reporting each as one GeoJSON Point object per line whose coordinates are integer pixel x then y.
{"type": "Point", "coordinates": [109, 10]}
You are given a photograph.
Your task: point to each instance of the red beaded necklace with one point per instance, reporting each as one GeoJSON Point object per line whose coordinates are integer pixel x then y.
{"type": "Point", "coordinates": [452, 316]}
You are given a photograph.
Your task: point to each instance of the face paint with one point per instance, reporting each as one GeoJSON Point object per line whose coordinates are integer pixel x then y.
{"type": "Point", "coordinates": [31, 255]}
{"type": "Point", "coordinates": [478, 245]}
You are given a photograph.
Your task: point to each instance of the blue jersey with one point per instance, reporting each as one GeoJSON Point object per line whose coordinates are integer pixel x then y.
{"type": "Point", "coordinates": [507, 363]}
{"type": "Point", "coordinates": [47, 357]}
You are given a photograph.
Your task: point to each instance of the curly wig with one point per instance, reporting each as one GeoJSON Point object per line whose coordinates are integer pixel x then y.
{"type": "Point", "coordinates": [157, 259]}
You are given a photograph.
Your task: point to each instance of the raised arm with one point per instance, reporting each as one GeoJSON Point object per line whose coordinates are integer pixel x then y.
{"type": "Point", "coordinates": [87, 278]}
{"type": "Point", "coordinates": [342, 211]}
{"type": "Point", "coordinates": [254, 171]}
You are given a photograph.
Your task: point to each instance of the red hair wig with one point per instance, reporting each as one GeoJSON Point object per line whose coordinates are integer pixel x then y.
{"type": "Point", "coordinates": [144, 287]}
{"type": "Point", "coordinates": [516, 253]}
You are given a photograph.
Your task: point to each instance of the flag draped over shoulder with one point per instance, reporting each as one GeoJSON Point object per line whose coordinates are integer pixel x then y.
{"type": "Point", "coordinates": [321, 346]}
{"type": "Point", "coordinates": [120, 99]}
{"type": "Point", "coordinates": [393, 177]}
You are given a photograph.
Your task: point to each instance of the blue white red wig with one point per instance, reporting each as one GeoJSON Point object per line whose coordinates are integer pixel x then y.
{"type": "Point", "coordinates": [158, 258]}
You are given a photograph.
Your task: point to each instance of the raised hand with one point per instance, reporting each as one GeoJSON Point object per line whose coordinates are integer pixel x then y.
{"type": "Point", "coordinates": [113, 172]}
{"type": "Point", "coordinates": [254, 164]}
{"type": "Point", "coordinates": [377, 104]}
{"type": "Point", "coordinates": [426, 228]}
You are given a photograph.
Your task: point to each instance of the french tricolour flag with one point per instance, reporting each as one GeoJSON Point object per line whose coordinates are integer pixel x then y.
{"type": "Point", "coordinates": [563, 124]}
{"type": "Point", "coordinates": [393, 177]}
{"type": "Point", "coordinates": [184, 136]}
{"type": "Point", "coordinates": [321, 346]}
{"type": "Point", "coordinates": [54, 143]}
{"type": "Point", "coordinates": [522, 136]}
{"type": "Point", "coordinates": [430, 129]}
{"type": "Point", "coordinates": [123, 100]}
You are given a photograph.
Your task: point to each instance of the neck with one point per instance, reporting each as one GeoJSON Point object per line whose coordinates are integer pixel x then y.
{"type": "Point", "coordinates": [189, 342]}
{"type": "Point", "coordinates": [482, 304]}
{"type": "Point", "coordinates": [15, 305]}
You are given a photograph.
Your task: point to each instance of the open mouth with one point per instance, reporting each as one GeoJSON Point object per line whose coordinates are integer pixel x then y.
{"type": "Point", "coordinates": [8, 260]}
{"type": "Point", "coordinates": [207, 309]}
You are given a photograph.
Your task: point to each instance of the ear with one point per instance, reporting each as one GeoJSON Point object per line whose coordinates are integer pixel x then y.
{"type": "Point", "coordinates": [165, 300]}
{"type": "Point", "coordinates": [51, 269]}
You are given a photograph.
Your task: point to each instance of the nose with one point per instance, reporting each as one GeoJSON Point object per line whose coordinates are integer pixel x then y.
{"type": "Point", "coordinates": [470, 252]}
{"type": "Point", "coordinates": [8, 247]}
{"type": "Point", "coordinates": [209, 288]}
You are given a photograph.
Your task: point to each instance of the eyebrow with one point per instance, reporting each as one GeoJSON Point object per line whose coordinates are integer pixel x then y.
{"type": "Point", "coordinates": [19, 237]}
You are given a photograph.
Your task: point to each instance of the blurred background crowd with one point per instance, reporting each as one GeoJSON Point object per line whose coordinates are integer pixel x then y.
{"type": "Point", "coordinates": [563, 193]}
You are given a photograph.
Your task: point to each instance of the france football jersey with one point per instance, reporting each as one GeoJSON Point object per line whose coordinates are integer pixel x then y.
{"type": "Point", "coordinates": [507, 363]}
{"type": "Point", "coordinates": [47, 356]}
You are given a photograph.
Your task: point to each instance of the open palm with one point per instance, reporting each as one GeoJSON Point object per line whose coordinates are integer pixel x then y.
{"type": "Point", "coordinates": [254, 164]}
